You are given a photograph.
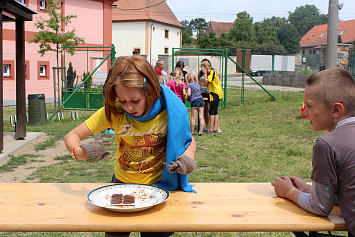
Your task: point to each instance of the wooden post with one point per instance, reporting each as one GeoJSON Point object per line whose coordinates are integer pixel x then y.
{"type": "Point", "coordinates": [20, 80]}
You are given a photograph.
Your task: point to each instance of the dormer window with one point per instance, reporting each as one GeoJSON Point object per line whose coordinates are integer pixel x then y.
{"type": "Point", "coordinates": [342, 32]}
{"type": "Point", "coordinates": [321, 35]}
{"type": "Point", "coordinates": [310, 37]}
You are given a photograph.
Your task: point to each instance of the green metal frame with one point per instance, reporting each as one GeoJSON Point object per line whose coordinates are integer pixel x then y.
{"type": "Point", "coordinates": [243, 70]}
{"type": "Point", "coordinates": [88, 49]}
{"type": "Point", "coordinates": [215, 52]}
{"type": "Point", "coordinates": [224, 54]}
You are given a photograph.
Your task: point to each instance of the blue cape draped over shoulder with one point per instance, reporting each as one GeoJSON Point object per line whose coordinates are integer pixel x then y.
{"type": "Point", "coordinates": [178, 136]}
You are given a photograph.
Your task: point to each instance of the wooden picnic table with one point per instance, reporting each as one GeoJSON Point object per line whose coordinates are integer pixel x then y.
{"type": "Point", "coordinates": [216, 207]}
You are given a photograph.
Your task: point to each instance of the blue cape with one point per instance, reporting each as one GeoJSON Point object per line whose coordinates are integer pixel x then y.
{"type": "Point", "coordinates": [178, 136]}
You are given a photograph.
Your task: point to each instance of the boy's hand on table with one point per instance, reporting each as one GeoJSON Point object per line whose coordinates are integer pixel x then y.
{"type": "Point", "coordinates": [182, 165]}
{"type": "Point", "coordinates": [95, 150]}
{"type": "Point", "coordinates": [283, 186]}
{"type": "Point", "coordinates": [300, 184]}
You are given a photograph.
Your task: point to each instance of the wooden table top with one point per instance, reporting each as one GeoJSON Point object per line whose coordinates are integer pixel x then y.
{"type": "Point", "coordinates": [216, 207]}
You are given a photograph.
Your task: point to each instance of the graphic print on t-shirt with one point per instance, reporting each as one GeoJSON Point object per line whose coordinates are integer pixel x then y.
{"type": "Point", "coordinates": [142, 154]}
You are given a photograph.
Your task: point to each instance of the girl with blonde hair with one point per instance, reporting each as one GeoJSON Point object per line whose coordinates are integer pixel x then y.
{"type": "Point", "coordinates": [177, 85]}
{"type": "Point", "coordinates": [197, 102]}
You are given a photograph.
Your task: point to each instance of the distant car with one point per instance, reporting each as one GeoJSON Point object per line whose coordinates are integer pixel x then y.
{"type": "Point", "coordinates": [257, 73]}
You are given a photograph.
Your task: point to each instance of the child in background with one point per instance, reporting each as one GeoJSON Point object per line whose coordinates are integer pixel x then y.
{"type": "Point", "coordinates": [216, 94]}
{"type": "Point", "coordinates": [330, 105]}
{"type": "Point", "coordinates": [181, 65]}
{"type": "Point", "coordinates": [159, 67]}
{"type": "Point", "coordinates": [205, 94]}
{"type": "Point", "coordinates": [177, 85]}
{"type": "Point", "coordinates": [152, 128]}
{"type": "Point", "coordinates": [197, 102]}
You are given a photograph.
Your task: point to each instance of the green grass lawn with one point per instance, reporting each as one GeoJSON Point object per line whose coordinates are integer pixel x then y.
{"type": "Point", "coordinates": [260, 139]}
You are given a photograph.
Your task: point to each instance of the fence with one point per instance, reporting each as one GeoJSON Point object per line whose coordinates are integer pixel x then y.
{"type": "Point", "coordinates": [81, 89]}
{"type": "Point", "coordinates": [38, 76]}
{"type": "Point", "coordinates": [192, 60]}
{"type": "Point", "coordinates": [308, 64]}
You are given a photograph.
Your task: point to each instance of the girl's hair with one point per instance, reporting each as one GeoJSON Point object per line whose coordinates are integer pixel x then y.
{"type": "Point", "coordinates": [159, 63]}
{"type": "Point", "coordinates": [177, 73]}
{"type": "Point", "coordinates": [180, 64]}
{"type": "Point", "coordinates": [207, 64]}
{"type": "Point", "coordinates": [191, 77]}
{"type": "Point", "coordinates": [205, 59]}
{"type": "Point", "coordinates": [134, 72]}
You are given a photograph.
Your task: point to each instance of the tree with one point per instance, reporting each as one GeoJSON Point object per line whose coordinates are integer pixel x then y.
{"type": "Point", "coordinates": [242, 29]}
{"type": "Point", "coordinates": [87, 84]}
{"type": "Point", "coordinates": [289, 38]}
{"type": "Point", "coordinates": [71, 75]}
{"type": "Point", "coordinates": [198, 25]}
{"type": "Point", "coordinates": [266, 31]}
{"type": "Point", "coordinates": [51, 35]}
{"type": "Point", "coordinates": [186, 33]}
{"type": "Point", "coordinates": [305, 17]}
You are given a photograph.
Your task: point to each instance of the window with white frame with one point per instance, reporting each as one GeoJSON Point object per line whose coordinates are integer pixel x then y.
{"type": "Point", "coordinates": [21, 1]}
{"type": "Point", "coordinates": [6, 72]}
{"type": "Point", "coordinates": [43, 70]}
{"type": "Point", "coordinates": [42, 4]}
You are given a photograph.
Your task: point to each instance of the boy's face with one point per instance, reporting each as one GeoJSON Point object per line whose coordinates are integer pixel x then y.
{"type": "Point", "coordinates": [131, 99]}
{"type": "Point", "coordinates": [317, 112]}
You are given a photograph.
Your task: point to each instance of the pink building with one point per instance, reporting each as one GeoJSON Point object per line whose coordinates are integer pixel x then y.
{"type": "Point", "coordinates": [93, 23]}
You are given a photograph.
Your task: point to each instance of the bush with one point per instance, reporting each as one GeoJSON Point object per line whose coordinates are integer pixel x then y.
{"type": "Point", "coordinates": [71, 75]}
{"type": "Point", "coordinates": [87, 84]}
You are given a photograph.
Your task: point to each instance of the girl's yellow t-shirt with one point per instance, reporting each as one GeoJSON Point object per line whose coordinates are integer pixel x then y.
{"type": "Point", "coordinates": [214, 84]}
{"type": "Point", "coordinates": [141, 146]}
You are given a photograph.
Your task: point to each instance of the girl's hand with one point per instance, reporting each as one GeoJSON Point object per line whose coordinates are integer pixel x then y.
{"type": "Point", "coordinates": [182, 165]}
{"type": "Point", "coordinates": [300, 184]}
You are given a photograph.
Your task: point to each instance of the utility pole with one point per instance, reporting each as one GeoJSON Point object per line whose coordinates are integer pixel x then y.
{"type": "Point", "coordinates": [332, 34]}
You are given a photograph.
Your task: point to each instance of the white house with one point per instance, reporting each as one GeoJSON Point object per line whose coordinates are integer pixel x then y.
{"type": "Point", "coordinates": [148, 26]}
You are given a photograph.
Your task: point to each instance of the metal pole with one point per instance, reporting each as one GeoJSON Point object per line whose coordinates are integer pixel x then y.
{"type": "Point", "coordinates": [225, 78]}
{"type": "Point", "coordinates": [332, 34]}
{"type": "Point", "coordinates": [113, 55]}
{"type": "Point", "coordinates": [172, 59]}
{"type": "Point", "coordinates": [243, 66]}
{"type": "Point", "coordinates": [54, 87]}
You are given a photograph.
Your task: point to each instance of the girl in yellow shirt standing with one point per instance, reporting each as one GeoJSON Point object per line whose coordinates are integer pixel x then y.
{"type": "Point", "coordinates": [216, 94]}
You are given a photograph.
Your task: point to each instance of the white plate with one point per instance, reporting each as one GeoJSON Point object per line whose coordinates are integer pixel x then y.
{"type": "Point", "coordinates": [146, 196]}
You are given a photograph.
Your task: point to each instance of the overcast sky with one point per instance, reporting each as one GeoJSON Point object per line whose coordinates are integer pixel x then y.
{"type": "Point", "coordinates": [226, 10]}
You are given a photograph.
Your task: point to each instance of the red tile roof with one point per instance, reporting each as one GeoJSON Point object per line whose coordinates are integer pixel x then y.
{"type": "Point", "coordinates": [142, 10]}
{"type": "Point", "coordinates": [219, 27]}
{"type": "Point", "coordinates": [317, 35]}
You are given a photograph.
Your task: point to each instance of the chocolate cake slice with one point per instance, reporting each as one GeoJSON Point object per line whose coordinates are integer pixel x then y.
{"type": "Point", "coordinates": [117, 198]}
{"type": "Point", "coordinates": [128, 199]}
